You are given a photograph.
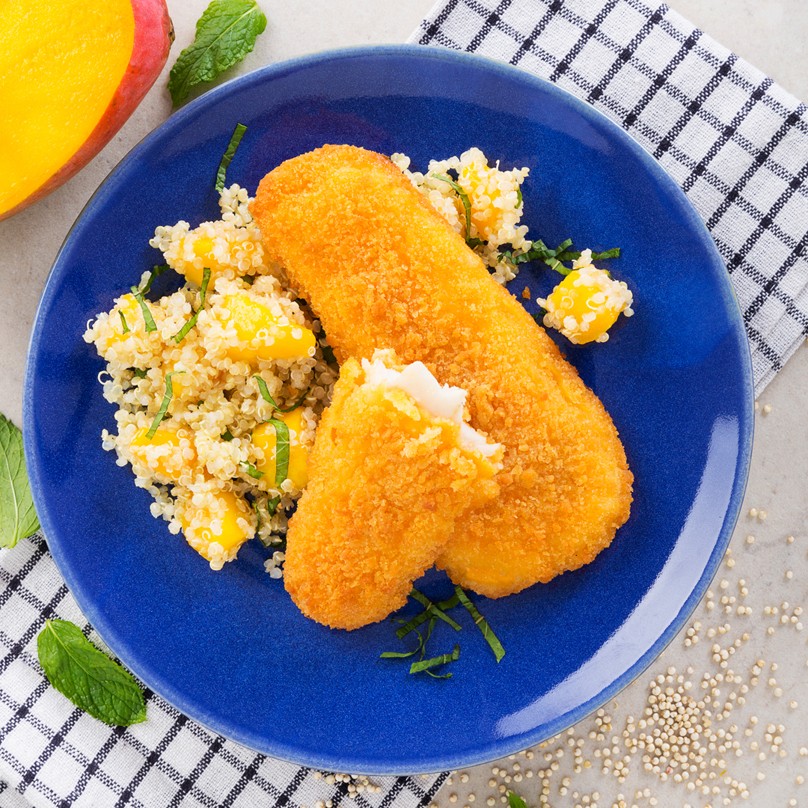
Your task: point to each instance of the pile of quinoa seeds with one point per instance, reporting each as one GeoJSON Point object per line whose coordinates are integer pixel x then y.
{"type": "Point", "coordinates": [724, 726]}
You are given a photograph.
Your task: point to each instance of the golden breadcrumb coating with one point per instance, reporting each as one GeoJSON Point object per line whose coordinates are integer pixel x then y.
{"type": "Point", "coordinates": [381, 268]}
{"type": "Point", "coordinates": [386, 484]}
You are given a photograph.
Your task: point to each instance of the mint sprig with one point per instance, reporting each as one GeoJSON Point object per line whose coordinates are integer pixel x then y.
{"type": "Point", "coordinates": [89, 678]}
{"type": "Point", "coordinates": [18, 519]}
{"type": "Point", "coordinates": [225, 34]}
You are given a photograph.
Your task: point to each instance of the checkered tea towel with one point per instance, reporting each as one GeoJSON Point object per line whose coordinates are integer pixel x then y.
{"type": "Point", "coordinates": [52, 754]}
{"type": "Point", "coordinates": [735, 141]}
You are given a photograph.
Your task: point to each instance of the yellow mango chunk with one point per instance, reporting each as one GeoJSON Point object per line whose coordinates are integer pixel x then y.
{"type": "Point", "coordinates": [218, 524]}
{"type": "Point", "coordinates": [60, 65]}
{"type": "Point", "coordinates": [165, 454]}
{"type": "Point", "coordinates": [259, 334]}
{"type": "Point", "coordinates": [264, 438]}
{"type": "Point", "coordinates": [586, 304]}
{"type": "Point", "coordinates": [130, 309]}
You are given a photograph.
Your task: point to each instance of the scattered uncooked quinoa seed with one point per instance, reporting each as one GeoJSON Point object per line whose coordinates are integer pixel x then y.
{"type": "Point", "coordinates": [697, 725]}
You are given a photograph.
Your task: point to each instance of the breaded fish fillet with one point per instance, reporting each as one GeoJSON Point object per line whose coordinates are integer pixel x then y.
{"type": "Point", "coordinates": [387, 480]}
{"type": "Point", "coordinates": [381, 267]}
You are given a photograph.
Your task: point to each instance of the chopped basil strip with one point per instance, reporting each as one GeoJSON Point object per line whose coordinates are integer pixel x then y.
{"type": "Point", "coordinates": [482, 624]}
{"type": "Point", "coordinates": [600, 256]}
{"type": "Point", "coordinates": [144, 307]}
{"type": "Point", "coordinates": [554, 259]}
{"type": "Point", "coordinates": [430, 610]}
{"type": "Point", "coordinates": [141, 374]}
{"type": "Point", "coordinates": [183, 332]}
{"type": "Point", "coordinates": [405, 654]}
{"type": "Point", "coordinates": [472, 242]}
{"type": "Point", "coordinates": [431, 607]}
{"type": "Point", "coordinates": [264, 390]}
{"type": "Point", "coordinates": [281, 450]}
{"type": "Point", "coordinates": [157, 270]}
{"type": "Point", "coordinates": [227, 436]}
{"type": "Point", "coordinates": [251, 470]}
{"type": "Point", "coordinates": [519, 197]}
{"type": "Point", "coordinates": [272, 505]}
{"type": "Point", "coordinates": [124, 324]}
{"type": "Point", "coordinates": [434, 662]}
{"type": "Point", "coordinates": [164, 406]}
{"type": "Point", "coordinates": [235, 139]}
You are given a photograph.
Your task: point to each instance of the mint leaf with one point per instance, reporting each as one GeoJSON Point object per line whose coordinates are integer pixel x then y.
{"type": "Point", "coordinates": [18, 518]}
{"type": "Point", "coordinates": [88, 677]}
{"type": "Point", "coordinates": [225, 34]}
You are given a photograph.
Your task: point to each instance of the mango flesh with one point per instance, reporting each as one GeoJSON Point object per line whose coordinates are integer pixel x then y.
{"type": "Point", "coordinates": [264, 438]}
{"type": "Point", "coordinates": [71, 73]}
{"type": "Point", "coordinates": [171, 461]}
{"type": "Point", "coordinates": [197, 523]}
{"type": "Point", "coordinates": [260, 335]}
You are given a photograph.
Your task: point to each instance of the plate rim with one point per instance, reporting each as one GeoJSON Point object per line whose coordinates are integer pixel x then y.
{"type": "Point", "coordinates": [493, 750]}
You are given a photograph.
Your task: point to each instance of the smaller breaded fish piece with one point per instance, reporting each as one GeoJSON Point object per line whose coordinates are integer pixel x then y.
{"type": "Point", "coordinates": [394, 464]}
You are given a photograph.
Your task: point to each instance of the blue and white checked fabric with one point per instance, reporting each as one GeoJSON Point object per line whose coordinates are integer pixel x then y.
{"type": "Point", "coordinates": [54, 756]}
{"type": "Point", "coordinates": [735, 141]}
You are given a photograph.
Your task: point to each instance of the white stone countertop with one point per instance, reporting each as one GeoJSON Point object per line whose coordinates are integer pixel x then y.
{"type": "Point", "coordinates": [773, 36]}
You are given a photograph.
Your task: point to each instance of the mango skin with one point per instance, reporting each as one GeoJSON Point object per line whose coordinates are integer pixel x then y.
{"type": "Point", "coordinates": [154, 33]}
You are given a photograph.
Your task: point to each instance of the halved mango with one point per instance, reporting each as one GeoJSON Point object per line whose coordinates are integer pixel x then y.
{"type": "Point", "coordinates": [71, 73]}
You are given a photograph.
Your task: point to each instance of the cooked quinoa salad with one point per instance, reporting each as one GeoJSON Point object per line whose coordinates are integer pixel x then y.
{"type": "Point", "coordinates": [219, 386]}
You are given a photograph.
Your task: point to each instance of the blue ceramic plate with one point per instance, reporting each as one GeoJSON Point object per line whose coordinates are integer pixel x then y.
{"type": "Point", "coordinates": [229, 648]}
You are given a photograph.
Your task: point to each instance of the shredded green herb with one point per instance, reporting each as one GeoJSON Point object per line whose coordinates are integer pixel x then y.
{"type": "Point", "coordinates": [227, 435]}
{"type": "Point", "coordinates": [164, 406]}
{"type": "Point", "coordinates": [251, 470]}
{"type": "Point", "coordinates": [141, 374]}
{"type": "Point", "coordinates": [144, 307]}
{"type": "Point", "coordinates": [419, 647]}
{"type": "Point", "coordinates": [464, 199]}
{"type": "Point", "coordinates": [156, 271]}
{"type": "Point", "coordinates": [264, 390]}
{"type": "Point", "coordinates": [281, 450]}
{"type": "Point", "coordinates": [482, 624]}
{"type": "Point", "coordinates": [519, 197]}
{"type": "Point", "coordinates": [433, 608]}
{"type": "Point", "coordinates": [434, 662]}
{"type": "Point", "coordinates": [554, 259]}
{"type": "Point", "coordinates": [235, 139]}
{"type": "Point", "coordinates": [203, 292]}
{"type": "Point", "coordinates": [124, 324]}
{"type": "Point", "coordinates": [272, 505]}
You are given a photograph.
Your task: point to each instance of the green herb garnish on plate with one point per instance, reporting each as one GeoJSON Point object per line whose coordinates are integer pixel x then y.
{"type": "Point", "coordinates": [281, 450]}
{"type": "Point", "coordinates": [88, 677]}
{"type": "Point", "coordinates": [221, 172]}
{"type": "Point", "coordinates": [464, 199]}
{"type": "Point", "coordinates": [265, 394]}
{"type": "Point", "coordinates": [161, 413]}
{"type": "Point", "coordinates": [250, 469]}
{"type": "Point", "coordinates": [183, 332]}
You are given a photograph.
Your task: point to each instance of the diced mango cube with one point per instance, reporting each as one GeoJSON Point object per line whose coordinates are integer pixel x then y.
{"type": "Point", "coordinates": [264, 437]}
{"type": "Point", "coordinates": [586, 304]}
{"type": "Point", "coordinates": [259, 334]}
{"type": "Point", "coordinates": [165, 453]}
{"type": "Point", "coordinates": [226, 521]}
